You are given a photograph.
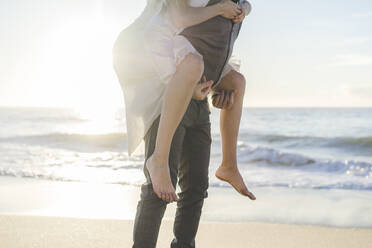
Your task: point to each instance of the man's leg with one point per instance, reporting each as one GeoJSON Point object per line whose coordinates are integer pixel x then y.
{"type": "Point", "coordinates": [193, 181]}
{"type": "Point", "coordinates": [150, 208]}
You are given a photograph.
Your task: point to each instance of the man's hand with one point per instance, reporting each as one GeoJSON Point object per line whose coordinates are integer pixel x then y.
{"type": "Point", "coordinates": [246, 9]}
{"type": "Point", "coordinates": [239, 18]}
{"type": "Point", "coordinates": [229, 9]}
{"type": "Point", "coordinates": [223, 99]}
{"type": "Point", "coordinates": [202, 89]}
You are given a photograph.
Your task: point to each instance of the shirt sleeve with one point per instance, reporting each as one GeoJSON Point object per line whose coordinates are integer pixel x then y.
{"type": "Point", "coordinates": [244, 1]}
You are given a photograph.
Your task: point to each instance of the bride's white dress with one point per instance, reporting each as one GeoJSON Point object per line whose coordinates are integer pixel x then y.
{"type": "Point", "coordinates": [145, 57]}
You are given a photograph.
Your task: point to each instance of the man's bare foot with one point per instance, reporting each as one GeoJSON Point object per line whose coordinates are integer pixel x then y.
{"type": "Point", "coordinates": [233, 177]}
{"type": "Point", "coordinates": [160, 178]}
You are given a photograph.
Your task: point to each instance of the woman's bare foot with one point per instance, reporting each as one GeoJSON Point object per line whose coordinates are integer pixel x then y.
{"type": "Point", "coordinates": [160, 178]}
{"type": "Point", "coordinates": [233, 177]}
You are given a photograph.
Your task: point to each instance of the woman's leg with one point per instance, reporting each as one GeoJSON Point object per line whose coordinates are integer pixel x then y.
{"type": "Point", "coordinates": [229, 127]}
{"type": "Point", "coordinates": [176, 99]}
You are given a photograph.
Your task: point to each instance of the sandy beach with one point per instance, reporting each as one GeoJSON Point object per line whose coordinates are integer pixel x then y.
{"type": "Point", "coordinates": [35, 231]}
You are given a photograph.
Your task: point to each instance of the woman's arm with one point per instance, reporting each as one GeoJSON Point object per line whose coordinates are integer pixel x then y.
{"type": "Point", "coordinates": [183, 15]}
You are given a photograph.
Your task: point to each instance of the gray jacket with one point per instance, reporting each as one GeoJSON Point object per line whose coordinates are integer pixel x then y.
{"type": "Point", "coordinates": [214, 39]}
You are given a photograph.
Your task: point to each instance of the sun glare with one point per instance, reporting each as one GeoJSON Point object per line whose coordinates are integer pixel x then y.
{"type": "Point", "coordinates": [78, 60]}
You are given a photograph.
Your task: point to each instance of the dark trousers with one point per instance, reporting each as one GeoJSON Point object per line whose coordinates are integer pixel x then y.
{"type": "Point", "coordinates": [189, 161]}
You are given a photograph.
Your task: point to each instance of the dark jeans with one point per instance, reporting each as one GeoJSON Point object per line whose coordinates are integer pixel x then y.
{"type": "Point", "coordinates": [189, 161]}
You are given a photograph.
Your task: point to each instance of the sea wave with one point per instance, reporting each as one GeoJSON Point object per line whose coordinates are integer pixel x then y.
{"type": "Point", "coordinates": [273, 166]}
{"type": "Point", "coordinates": [75, 141]}
{"type": "Point", "coordinates": [32, 174]}
{"type": "Point", "coordinates": [261, 166]}
{"type": "Point", "coordinates": [362, 144]}
{"type": "Point", "coordinates": [273, 157]}
{"type": "Point", "coordinates": [23, 173]}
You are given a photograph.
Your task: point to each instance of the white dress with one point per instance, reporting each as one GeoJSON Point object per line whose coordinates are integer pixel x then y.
{"type": "Point", "coordinates": [145, 57]}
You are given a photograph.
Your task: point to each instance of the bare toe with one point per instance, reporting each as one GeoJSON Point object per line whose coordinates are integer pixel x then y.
{"type": "Point", "coordinates": [233, 177]}
{"type": "Point", "coordinates": [158, 171]}
{"type": "Point", "coordinates": [163, 196]}
{"type": "Point", "coordinates": [156, 191]}
{"type": "Point", "coordinates": [175, 197]}
{"type": "Point", "coordinates": [171, 199]}
{"type": "Point", "coordinates": [248, 193]}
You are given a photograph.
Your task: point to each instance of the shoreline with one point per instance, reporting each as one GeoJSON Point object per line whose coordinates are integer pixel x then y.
{"type": "Point", "coordinates": [323, 208]}
{"type": "Point", "coordinates": [167, 219]}
{"type": "Point", "coordinates": [64, 232]}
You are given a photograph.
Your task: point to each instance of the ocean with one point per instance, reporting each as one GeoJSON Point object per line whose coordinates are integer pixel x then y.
{"type": "Point", "coordinates": [312, 150]}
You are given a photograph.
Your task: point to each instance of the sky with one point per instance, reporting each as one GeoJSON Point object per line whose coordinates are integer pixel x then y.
{"type": "Point", "coordinates": [294, 53]}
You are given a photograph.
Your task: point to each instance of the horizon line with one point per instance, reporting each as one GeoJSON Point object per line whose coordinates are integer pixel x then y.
{"type": "Point", "coordinates": [73, 107]}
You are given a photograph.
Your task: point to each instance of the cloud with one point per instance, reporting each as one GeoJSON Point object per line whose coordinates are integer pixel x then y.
{"type": "Point", "coordinates": [362, 15]}
{"type": "Point", "coordinates": [351, 60]}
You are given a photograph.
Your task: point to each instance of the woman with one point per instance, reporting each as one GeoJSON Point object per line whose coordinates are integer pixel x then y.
{"type": "Point", "coordinates": [159, 71]}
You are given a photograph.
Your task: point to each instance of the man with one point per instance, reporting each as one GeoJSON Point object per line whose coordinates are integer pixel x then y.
{"type": "Point", "coordinates": [190, 148]}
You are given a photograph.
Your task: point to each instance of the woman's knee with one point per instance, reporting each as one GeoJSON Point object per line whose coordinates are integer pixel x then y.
{"type": "Point", "coordinates": [239, 83]}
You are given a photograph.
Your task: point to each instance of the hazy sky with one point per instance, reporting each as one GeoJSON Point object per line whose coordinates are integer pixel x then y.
{"type": "Point", "coordinates": [293, 52]}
